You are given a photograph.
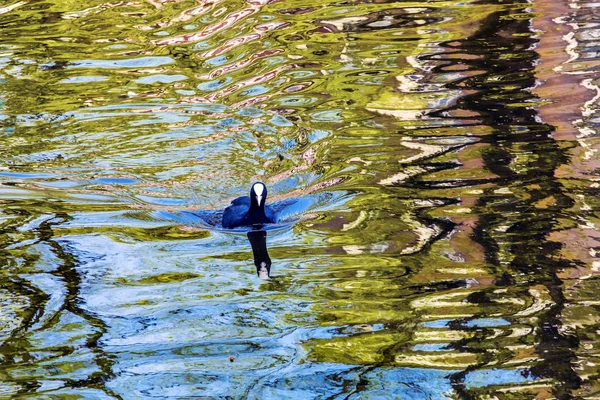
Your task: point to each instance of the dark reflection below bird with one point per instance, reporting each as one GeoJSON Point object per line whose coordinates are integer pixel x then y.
{"type": "Point", "coordinates": [262, 261]}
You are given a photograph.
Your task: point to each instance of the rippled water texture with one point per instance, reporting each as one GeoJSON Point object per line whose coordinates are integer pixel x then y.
{"type": "Point", "coordinates": [440, 165]}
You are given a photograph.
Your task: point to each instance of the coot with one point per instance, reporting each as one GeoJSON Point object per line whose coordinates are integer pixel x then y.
{"type": "Point", "coordinates": [248, 211]}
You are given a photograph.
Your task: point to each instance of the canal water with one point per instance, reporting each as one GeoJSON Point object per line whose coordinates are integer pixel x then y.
{"type": "Point", "coordinates": [440, 159]}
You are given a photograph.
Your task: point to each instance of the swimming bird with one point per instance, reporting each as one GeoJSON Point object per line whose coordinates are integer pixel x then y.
{"type": "Point", "coordinates": [248, 211]}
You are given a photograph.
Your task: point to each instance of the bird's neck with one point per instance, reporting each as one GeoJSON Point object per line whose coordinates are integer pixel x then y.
{"type": "Point", "coordinates": [257, 209]}
{"type": "Point", "coordinates": [255, 206]}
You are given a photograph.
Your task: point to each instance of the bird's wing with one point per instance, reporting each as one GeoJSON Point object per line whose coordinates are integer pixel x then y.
{"type": "Point", "coordinates": [270, 214]}
{"type": "Point", "coordinates": [244, 200]}
{"type": "Point", "coordinates": [234, 216]}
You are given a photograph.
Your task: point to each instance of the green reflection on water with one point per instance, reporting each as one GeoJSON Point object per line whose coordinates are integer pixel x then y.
{"type": "Point", "coordinates": [413, 125]}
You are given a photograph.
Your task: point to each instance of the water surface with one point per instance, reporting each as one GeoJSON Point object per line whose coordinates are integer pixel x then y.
{"type": "Point", "coordinates": [443, 154]}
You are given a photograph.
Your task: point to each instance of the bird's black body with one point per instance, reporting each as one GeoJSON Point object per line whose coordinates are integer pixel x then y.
{"type": "Point", "coordinates": [249, 210]}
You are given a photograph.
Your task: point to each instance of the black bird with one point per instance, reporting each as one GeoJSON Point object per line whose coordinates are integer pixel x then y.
{"type": "Point", "coordinates": [249, 211]}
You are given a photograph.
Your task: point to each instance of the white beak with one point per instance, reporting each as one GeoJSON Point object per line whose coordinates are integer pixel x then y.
{"type": "Point", "coordinates": [263, 272]}
{"type": "Point", "coordinates": [258, 199]}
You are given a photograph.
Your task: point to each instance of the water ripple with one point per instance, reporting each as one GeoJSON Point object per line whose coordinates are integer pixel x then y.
{"type": "Point", "coordinates": [434, 164]}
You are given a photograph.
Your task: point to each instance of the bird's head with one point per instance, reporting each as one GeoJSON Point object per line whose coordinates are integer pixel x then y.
{"type": "Point", "coordinates": [258, 194]}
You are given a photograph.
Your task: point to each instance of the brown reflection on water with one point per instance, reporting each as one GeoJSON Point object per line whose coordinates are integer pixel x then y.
{"type": "Point", "coordinates": [570, 85]}
{"type": "Point", "coordinates": [512, 222]}
{"type": "Point", "coordinates": [495, 206]}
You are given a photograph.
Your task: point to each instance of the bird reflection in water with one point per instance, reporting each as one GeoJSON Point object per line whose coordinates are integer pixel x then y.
{"type": "Point", "coordinates": [258, 240]}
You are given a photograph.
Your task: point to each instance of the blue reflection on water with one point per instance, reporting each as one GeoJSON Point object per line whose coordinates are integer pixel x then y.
{"type": "Point", "coordinates": [487, 377]}
{"type": "Point", "coordinates": [116, 181]}
{"type": "Point", "coordinates": [474, 323]}
{"type": "Point", "coordinates": [27, 175]}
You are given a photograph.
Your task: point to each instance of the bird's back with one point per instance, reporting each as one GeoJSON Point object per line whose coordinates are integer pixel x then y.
{"type": "Point", "coordinates": [238, 214]}
{"type": "Point", "coordinates": [244, 200]}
